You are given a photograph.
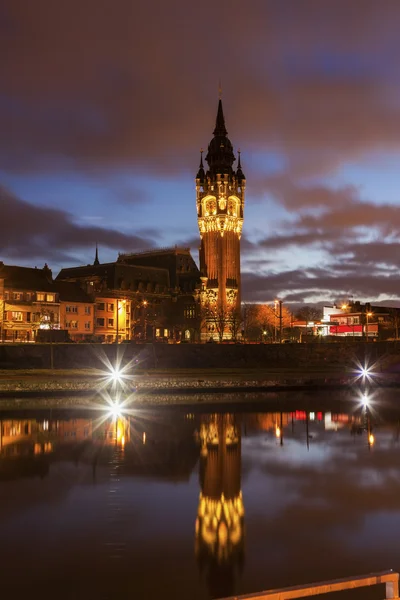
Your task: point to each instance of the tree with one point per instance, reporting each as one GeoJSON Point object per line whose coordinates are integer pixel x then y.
{"type": "Point", "coordinates": [391, 327]}
{"type": "Point", "coordinates": [273, 319]}
{"type": "Point", "coordinates": [221, 319]}
{"type": "Point", "coordinates": [309, 313]}
{"type": "Point", "coordinates": [249, 320]}
{"type": "Point", "coordinates": [263, 321]}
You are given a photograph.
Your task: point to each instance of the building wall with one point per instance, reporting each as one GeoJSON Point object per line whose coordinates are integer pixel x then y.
{"type": "Point", "coordinates": [77, 318]}
{"type": "Point", "coordinates": [24, 312]}
{"type": "Point", "coordinates": [112, 315]}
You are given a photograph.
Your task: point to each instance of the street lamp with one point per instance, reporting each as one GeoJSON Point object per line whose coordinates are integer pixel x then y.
{"type": "Point", "coordinates": [144, 319]}
{"type": "Point", "coordinates": [275, 307]}
{"type": "Point", "coordinates": [119, 308]}
{"type": "Point", "coordinates": [368, 314]}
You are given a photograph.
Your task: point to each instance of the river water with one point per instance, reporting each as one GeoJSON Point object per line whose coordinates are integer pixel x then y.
{"type": "Point", "coordinates": [180, 503]}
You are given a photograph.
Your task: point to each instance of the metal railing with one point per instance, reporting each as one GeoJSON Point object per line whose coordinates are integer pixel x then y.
{"type": "Point", "coordinates": [389, 578]}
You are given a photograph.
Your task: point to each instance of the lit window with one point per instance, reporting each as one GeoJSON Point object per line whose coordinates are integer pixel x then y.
{"type": "Point", "coordinates": [111, 322]}
{"type": "Point", "coordinates": [17, 296]}
{"type": "Point", "coordinates": [74, 324]}
{"type": "Point", "coordinates": [190, 311]}
{"type": "Point", "coordinates": [110, 307]}
{"type": "Point", "coordinates": [40, 297]}
{"type": "Point", "coordinates": [16, 316]}
{"type": "Point", "coordinates": [50, 297]}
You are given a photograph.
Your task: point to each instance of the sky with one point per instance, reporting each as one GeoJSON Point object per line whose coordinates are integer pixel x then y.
{"type": "Point", "coordinates": [105, 104]}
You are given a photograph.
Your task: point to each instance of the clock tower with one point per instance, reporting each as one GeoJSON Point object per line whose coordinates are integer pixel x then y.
{"type": "Point", "coordinates": [220, 195]}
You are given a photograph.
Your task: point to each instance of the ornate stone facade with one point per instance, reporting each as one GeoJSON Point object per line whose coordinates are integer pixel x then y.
{"type": "Point", "coordinates": [220, 197]}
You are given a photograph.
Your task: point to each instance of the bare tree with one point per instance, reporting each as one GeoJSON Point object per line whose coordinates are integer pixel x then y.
{"type": "Point", "coordinates": [309, 313]}
{"type": "Point", "coordinates": [222, 320]}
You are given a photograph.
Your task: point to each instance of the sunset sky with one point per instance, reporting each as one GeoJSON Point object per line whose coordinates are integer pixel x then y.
{"type": "Point", "coordinates": [105, 104]}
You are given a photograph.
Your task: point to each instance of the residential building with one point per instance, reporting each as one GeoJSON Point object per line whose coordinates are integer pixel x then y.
{"type": "Point", "coordinates": [29, 302]}
{"type": "Point", "coordinates": [76, 311]}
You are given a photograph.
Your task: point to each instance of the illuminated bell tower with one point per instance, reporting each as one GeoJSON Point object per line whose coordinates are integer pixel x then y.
{"type": "Point", "coordinates": [220, 193]}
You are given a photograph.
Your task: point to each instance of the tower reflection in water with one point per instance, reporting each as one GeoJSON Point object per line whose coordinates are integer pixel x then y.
{"type": "Point", "coordinates": [220, 516]}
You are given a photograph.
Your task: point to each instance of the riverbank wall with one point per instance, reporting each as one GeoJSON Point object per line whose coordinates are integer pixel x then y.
{"type": "Point", "coordinates": [318, 355]}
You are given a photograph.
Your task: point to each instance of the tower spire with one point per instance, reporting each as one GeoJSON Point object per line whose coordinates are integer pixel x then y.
{"type": "Point", "coordinates": [201, 174]}
{"type": "Point", "coordinates": [96, 259]}
{"type": "Point", "coordinates": [239, 173]}
{"type": "Point", "coordinates": [220, 128]}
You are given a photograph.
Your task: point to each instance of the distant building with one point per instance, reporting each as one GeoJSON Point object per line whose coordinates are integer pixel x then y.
{"type": "Point", "coordinates": [28, 302]}
{"type": "Point", "coordinates": [142, 296]}
{"type": "Point", "coordinates": [360, 321]}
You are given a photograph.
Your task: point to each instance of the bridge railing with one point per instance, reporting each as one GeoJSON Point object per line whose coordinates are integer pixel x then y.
{"type": "Point", "coordinates": [389, 578]}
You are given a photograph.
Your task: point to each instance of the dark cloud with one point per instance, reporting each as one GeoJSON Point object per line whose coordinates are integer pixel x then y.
{"type": "Point", "coordinates": [90, 83]}
{"type": "Point", "coordinates": [34, 232]}
{"type": "Point", "coordinates": [298, 286]}
{"type": "Point", "coordinates": [133, 87]}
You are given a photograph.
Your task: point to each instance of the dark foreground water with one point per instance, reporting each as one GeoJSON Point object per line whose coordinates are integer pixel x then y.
{"type": "Point", "coordinates": [183, 503]}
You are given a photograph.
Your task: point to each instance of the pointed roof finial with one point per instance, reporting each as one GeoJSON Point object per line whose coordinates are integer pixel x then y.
{"type": "Point", "coordinates": [219, 89]}
{"type": "Point", "coordinates": [239, 173]}
{"type": "Point", "coordinates": [96, 260]}
{"type": "Point", "coordinates": [201, 174]}
{"type": "Point", "coordinates": [220, 128]}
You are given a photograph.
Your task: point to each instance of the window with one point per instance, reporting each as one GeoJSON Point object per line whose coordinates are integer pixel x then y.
{"type": "Point", "coordinates": [190, 311]}
{"type": "Point", "coordinates": [68, 324]}
{"type": "Point", "coordinates": [28, 317]}
{"type": "Point", "coordinates": [101, 306]}
{"type": "Point", "coordinates": [87, 324]}
{"type": "Point", "coordinates": [111, 322]}
{"type": "Point", "coordinates": [50, 298]}
{"type": "Point", "coordinates": [100, 322]}
{"type": "Point", "coordinates": [87, 310]}
{"type": "Point", "coordinates": [28, 296]}
{"type": "Point", "coordinates": [356, 320]}
{"type": "Point", "coordinates": [110, 307]}
{"type": "Point", "coordinates": [17, 296]}
{"type": "Point", "coordinates": [16, 316]}
{"type": "Point", "coordinates": [74, 324]}
{"type": "Point", "coordinates": [40, 297]}
{"type": "Point", "coordinates": [71, 309]}
{"type": "Point", "coordinates": [6, 295]}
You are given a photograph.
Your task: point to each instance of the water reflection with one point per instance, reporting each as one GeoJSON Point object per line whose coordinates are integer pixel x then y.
{"type": "Point", "coordinates": [227, 482]}
{"type": "Point", "coordinates": [220, 515]}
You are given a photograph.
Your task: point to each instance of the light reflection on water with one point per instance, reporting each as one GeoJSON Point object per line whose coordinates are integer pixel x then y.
{"type": "Point", "coordinates": [188, 504]}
